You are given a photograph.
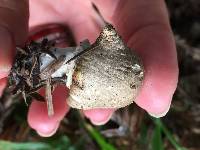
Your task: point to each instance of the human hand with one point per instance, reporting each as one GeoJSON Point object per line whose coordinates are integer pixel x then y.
{"type": "Point", "coordinates": [144, 26]}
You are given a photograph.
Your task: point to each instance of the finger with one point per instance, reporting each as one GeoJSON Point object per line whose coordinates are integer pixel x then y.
{"type": "Point", "coordinates": [13, 29]}
{"type": "Point", "coordinates": [145, 27]}
{"type": "Point", "coordinates": [38, 117]}
{"type": "Point", "coordinates": [161, 74]}
{"type": "Point", "coordinates": [99, 116]}
{"type": "Point", "coordinates": [83, 26]}
{"type": "Point", "coordinates": [53, 12]}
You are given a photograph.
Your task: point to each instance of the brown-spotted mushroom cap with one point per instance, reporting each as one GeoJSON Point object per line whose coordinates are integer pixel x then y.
{"type": "Point", "coordinates": [109, 75]}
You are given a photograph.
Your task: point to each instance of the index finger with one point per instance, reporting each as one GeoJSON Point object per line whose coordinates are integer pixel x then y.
{"type": "Point", "coordinates": [13, 30]}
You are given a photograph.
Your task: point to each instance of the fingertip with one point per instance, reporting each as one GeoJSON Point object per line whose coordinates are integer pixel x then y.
{"type": "Point", "coordinates": [49, 132]}
{"type": "Point", "coordinates": [160, 65]}
{"type": "Point", "coordinates": [157, 91]}
{"type": "Point", "coordinates": [98, 116]}
{"type": "Point", "coordinates": [160, 113]}
{"type": "Point", "coordinates": [155, 107]}
{"type": "Point", "coordinates": [38, 118]}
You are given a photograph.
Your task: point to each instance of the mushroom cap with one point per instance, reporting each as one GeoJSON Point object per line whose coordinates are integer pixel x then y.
{"type": "Point", "coordinates": [108, 75]}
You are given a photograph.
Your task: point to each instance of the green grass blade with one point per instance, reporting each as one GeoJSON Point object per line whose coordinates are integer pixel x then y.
{"type": "Point", "coordinates": [169, 136]}
{"type": "Point", "coordinates": [157, 143]}
{"type": "Point", "coordinates": [104, 145]}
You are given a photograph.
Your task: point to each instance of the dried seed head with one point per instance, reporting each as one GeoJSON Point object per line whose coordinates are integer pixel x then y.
{"type": "Point", "coordinates": [107, 76]}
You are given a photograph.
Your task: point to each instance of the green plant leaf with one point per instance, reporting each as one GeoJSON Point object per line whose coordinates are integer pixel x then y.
{"type": "Point", "coordinates": [58, 142]}
{"type": "Point", "coordinates": [157, 143]}
{"type": "Point", "coordinates": [103, 144]}
{"type": "Point", "coordinates": [168, 134]}
{"type": "Point", "coordinates": [6, 145]}
{"type": "Point", "coordinates": [62, 142]}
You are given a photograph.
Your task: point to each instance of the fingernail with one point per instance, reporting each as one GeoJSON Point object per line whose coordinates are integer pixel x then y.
{"type": "Point", "coordinates": [48, 133]}
{"type": "Point", "coordinates": [162, 114]}
{"type": "Point", "coordinates": [6, 52]}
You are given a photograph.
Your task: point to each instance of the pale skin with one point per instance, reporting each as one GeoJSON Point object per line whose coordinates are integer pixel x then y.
{"type": "Point", "coordinates": [144, 25]}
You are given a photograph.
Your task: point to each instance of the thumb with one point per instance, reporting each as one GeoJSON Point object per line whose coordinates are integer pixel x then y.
{"type": "Point", "coordinates": [144, 25]}
{"type": "Point", "coordinates": [13, 30]}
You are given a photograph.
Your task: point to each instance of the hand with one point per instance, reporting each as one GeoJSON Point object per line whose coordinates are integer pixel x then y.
{"type": "Point", "coordinates": [144, 25]}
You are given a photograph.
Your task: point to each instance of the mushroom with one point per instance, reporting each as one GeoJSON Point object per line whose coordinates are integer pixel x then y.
{"type": "Point", "coordinates": [108, 75]}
